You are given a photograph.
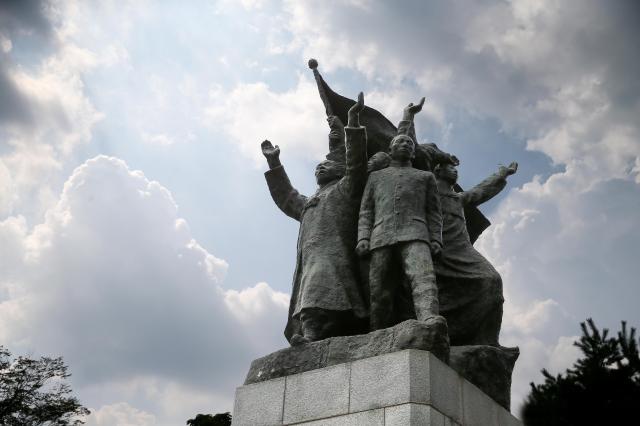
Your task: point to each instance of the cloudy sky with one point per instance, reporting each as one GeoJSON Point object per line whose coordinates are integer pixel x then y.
{"type": "Point", "coordinates": [137, 236]}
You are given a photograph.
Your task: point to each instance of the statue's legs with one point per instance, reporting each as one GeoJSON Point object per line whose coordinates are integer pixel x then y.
{"type": "Point", "coordinates": [380, 289]}
{"type": "Point", "coordinates": [418, 268]}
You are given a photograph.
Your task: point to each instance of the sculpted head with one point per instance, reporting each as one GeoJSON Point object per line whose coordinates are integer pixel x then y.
{"type": "Point", "coordinates": [378, 161]}
{"type": "Point", "coordinates": [446, 172]}
{"type": "Point", "coordinates": [328, 171]}
{"type": "Point", "coordinates": [402, 148]}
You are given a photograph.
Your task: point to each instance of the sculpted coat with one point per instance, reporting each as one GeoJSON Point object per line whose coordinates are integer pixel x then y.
{"type": "Point", "coordinates": [326, 273]}
{"type": "Point", "coordinates": [404, 197]}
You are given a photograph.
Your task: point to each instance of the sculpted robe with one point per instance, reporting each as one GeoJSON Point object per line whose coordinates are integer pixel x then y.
{"type": "Point", "coordinates": [326, 274]}
{"type": "Point", "coordinates": [469, 287]}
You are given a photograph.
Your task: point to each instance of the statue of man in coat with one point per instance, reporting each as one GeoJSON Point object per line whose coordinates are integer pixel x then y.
{"type": "Point", "coordinates": [470, 289]}
{"type": "Point", "coordinates": [326, 299]}
{"type": "Point", "coordinates": [401, 223]}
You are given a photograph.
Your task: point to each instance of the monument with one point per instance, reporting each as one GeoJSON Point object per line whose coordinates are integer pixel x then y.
{"type": "Point", "coordinates": [394, 317]}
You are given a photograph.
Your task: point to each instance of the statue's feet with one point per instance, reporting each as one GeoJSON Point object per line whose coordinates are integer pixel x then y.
{"type": "Point", "coordinates": [298, 339]}
{"type": "Point", "coordinates": [428, 334]}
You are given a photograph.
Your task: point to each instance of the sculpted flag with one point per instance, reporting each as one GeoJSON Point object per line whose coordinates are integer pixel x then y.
{"type": "Point", "coordinates": [380, 131]}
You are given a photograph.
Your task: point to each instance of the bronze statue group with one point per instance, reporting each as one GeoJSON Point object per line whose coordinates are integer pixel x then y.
{"type": "Point", "coordinates": [385, 237]}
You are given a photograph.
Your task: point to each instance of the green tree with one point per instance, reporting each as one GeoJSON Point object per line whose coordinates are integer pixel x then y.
{"type": "Point", "coordinates": [33, 392]}
{"type": "Point", "coordinates": [602, 387]}
{"type": "Point", "coordinates": [223, 419]}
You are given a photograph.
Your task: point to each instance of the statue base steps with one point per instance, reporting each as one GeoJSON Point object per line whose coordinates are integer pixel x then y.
{"type": "Point", "coordinates": [408, 387]}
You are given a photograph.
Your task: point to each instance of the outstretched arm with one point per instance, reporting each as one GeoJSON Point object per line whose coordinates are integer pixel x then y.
{"type": "Point", "coordinates": [490, 187]}
{"type": "Point", "coordinates": [286, 197]}
{"type": "Point", "coordinates": [406, 126]}
{"type": "Point", "coordinates": [356, 152]}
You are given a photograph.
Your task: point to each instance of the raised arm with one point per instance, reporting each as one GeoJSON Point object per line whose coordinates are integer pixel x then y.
{"type": "Point", "coordinates": [365, 222]}
{"type": "Point", "coordinates": [286, 197]}
{"type": "Point", "coordinates": [490, 187]}
{"type": "Point", "coordinates": [406, 126]}
{"type": "Point", "coordinates": [356, 152]}
{"type": "Point", "coordinates": [434, 215]}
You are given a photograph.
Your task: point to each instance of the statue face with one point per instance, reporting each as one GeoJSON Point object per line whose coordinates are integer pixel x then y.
{"type": "Point", "coordinates": [378, 161]}
{"type": "Point", "coordinates": [402, 148]}
{"type": "Point", "coordinates": [448, 173]}
{"type": "Point", "coordinates": [328, 171]}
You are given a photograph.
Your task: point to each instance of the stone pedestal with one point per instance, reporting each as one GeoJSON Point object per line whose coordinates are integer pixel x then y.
{"type": "Point", "coordinates": [408, 387]}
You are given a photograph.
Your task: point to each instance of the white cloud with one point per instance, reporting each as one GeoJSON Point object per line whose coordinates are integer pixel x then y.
{"type": "Point", "coordinates": [114, 281]}
{"type": "Point", "coordinates": [251, 303]}
{"type": "Point", "coordinates": [564, 248]}
{"type": "Point", "coordinates": [120, 414]}
{"type": "Point", "coordinates": [52, 117]}
{"type": "Point", "coordinates": [293, 119]}
{"type": "Point", "coordinates": [527, 326]}
{"type": "Point", "coordinates": [534, 319]}
{"type": "Point", "coordinates": [5, 44]}
{"type": "Point", "coordinates": [564, 354]}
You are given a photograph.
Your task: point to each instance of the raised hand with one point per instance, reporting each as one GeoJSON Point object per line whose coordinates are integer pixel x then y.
{"type": "Point", "coordinates": [271, 153]}
{"type": "Point", "coordinates": [353, 115]}
{"type": "Point", "coordinates": [508, 170]}
{"type": "Point", "coordinates": [411, 110]}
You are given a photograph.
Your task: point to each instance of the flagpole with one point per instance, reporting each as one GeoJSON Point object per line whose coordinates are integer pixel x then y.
{"type": "Point", "coordinates": [313, 64]}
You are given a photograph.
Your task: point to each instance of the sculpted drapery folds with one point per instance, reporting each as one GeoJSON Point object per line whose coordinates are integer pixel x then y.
{"type": "Point", "coordinates": [470, 288]}
{"type": "Point", "coordinates": [326, 297]}
{"type": "Point", "coordinates": [412, 225]}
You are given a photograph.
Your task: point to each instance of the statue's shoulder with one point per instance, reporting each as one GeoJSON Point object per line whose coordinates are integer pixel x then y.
{"type": "Point", "coordinates": [377, 173]}
{"type": "Point", "coordinates": [424, 173]}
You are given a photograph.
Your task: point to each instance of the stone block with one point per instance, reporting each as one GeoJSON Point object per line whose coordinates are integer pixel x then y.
{"type": "Point", "coordinates": [317, 394]}
{"type": "Point", "coordinates": [444, 385]}
{"type": "Point", "coordinates": [449, 422]}
{"type": "Point", "coordinates": [413, 415]}
{"type": "Point", "coordinates": [380, 381]}
{"type": "Point", "coordinates": [505, 418]}
{"type": "Point", "coordinates": [259, 404]}
{"type": "Point", "coordinates": [478, 409]}
{"type": "Point", "coordinates": [404, 377]}
{"type": "Point", "coordinates": [408, 387]}
{"type": "Point", "coordinates": [364, 418]}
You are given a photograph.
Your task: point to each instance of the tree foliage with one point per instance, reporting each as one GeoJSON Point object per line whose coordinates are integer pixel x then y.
{"type": "Point", "coordinates": [223, 419]}
{"type": "Point", "coordinates": [34, 392]}
{"type": "Point", "coordinates": [602, 387]}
